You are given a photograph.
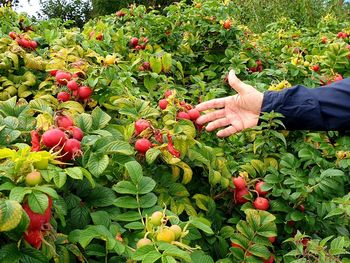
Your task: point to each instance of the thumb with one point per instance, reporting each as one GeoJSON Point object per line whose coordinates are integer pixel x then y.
{"type": "Point", "coordinates": [237, 84]}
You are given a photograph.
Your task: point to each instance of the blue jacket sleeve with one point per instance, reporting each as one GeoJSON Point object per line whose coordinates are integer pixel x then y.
{"type": "Point", "coordinates": [323, 108]}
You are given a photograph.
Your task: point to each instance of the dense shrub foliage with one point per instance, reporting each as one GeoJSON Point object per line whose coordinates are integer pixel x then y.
{"type": "Point", "coordinates": [102, 161]}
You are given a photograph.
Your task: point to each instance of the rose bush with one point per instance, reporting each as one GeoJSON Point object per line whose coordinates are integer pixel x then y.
{"type": "Point", "coordinates": [125, 173]}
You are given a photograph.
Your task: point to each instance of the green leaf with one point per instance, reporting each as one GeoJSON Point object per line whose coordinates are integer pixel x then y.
{"type": "Point", "coordinates": [9, 253]}
{"type": "Point", "coordinates": [297, 215]}
{"type": "Point", "coordinates": [148, 200]}
{"type": "Point", "coordinates": [31, 255]}
{"type": "Point", "coordinates": [201, 224]}
{"type": "Point", "coordinates": [259, 251]}
{"type": "Point", "coordinates": [171, 250]}
{"type": "Point", "coordinates": [97, 163]}
{"type": "Point", "coordinates": [128, 216]}
{"type": "Point", "coordinates": [101, 197]}
{"type": "Point", "coordinates": [101, 218]}
{"type": "Point", "coordinates": [145, 185]}
{"type": "Point", "coordinates": [200, 257]}
{"type": "Point", "coordinates": [79, 216]}
{"type": "Point", "coordinates": [10, 215]}
{"type": "Point", "coordinates": [75, 173]}
{"type": "Point", "coordinates": [84, 121]}
{"type": "Point", "coordinates": [245, 229]}
{"type": "Point", "coordinates": [151, 257]}
{"type": "Point", "coordinates": [18, 193]}
{"type": "Point", "coordinates": [47, 190]}
{"type": "Point", "coordinates": [152, 154]}
{"type": "Point", "coordinates": [72, 106]}
{"type": "Point", "coordinates": [126, 202]}
{"type": "Point", "coordinates": [143, 251]}
{"type": "Point", "coordinates": [134, 170]}
{"type": "Point", "coordinates": [118, 147]}
{"type": "Point", "coordinates": [125, 187]}
{"type": "Point", "coordinates": [38, 202]}
{"type": "Point", "coordinates": [166, 62]}
{"type": "Point", "coordinates": [135, 226]}
{"type": "Point", "coordinates": [156, 64]}
{"type": "Point", "coordinates": [99, 118]}
{"type": "Point", "coordinates": [59, 178]}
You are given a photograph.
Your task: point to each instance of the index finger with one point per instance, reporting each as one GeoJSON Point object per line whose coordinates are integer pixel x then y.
{"type": "Point", "coordinates": [211, 104]}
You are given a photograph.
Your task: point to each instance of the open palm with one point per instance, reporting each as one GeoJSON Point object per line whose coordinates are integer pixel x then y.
{"type": "Point", "coordinates": [234, 113]}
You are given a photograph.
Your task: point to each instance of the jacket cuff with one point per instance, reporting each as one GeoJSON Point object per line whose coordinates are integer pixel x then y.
{"type": "Point", "coordinates": [298, 105]}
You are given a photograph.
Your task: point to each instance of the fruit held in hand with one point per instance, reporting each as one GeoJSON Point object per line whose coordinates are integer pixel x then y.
{"type": "Point", "coordinates": [143, 242]}
{"type": "Point", "coordinates": [142, 145]}
{"type": "Point", "coordinates": [261, 203]}
{"type": "Point", "coordinates": [53, 138]}
{"type": "Point", "coordinates": [141, 125]}
{"type": "Point", "coordinates": [194, 114]}
{"type": "Point", "coordinates": [183, 116]}
{"type": "Point", "coordinates": [239, 183]}
{"type": "Point", "coordinates": [166, 235]}
{"type": "Point", "coordinates": [156, 218]}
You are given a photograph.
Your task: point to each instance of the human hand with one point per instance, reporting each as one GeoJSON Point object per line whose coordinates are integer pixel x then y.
{"type": "Point", "coordinates": [234, 113]}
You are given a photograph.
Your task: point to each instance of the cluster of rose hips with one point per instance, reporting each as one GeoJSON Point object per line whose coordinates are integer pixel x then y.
{"type": "Point", "coordinates": [63, 138]}
{"type": "Point", "coordinates": [98, 37]}
{"type": "Point", "coordinates": [144, 144]}
{"type": "Point", "coordinates": [342, 35]}
{"type": "Point", "coordinates": [156, 226]}
{"type": "Point", "coordinates": [120, 13]}
{"type": "Point", "coordinates": [75, 90]}
{"type": "Point", "coordinates": [23, 41]}
{"type": "Point", "coordinates": [138, 44]}
{"type": "Point", "coordinates": [186, 112]}
{"type": "Point", "coordinates": [39, 224]}
{"type": "Point", "coordinates": [241, 190]}
{"type": "Point", "coordinates": [146, 66]}
{"type": "Point", "coordinates": [334, 78]}
{"type": "Point", "coordinates": [258, 68]}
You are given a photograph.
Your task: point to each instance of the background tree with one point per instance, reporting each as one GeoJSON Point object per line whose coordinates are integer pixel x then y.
{"type": "Point", "coordinates": [105, 7]}
{"type": "Point", "coordinates": [8, 2]}
{"type": "Point", "coordinates": [76, 10]}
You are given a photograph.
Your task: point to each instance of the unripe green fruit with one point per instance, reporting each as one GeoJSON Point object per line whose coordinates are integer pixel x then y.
{"type": "Point", "coordinates": [33, 178]}
{"type": "Point", "coordinates": [156, 218]}
{"type": "Point", "coordinates": [42, 164]}
{"type": "Point", "coordinates": [176, 230]}
{"type": "Point", "coordinates": [143, 242]}
{"type": "Point", "coordinates": [166, 235]}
